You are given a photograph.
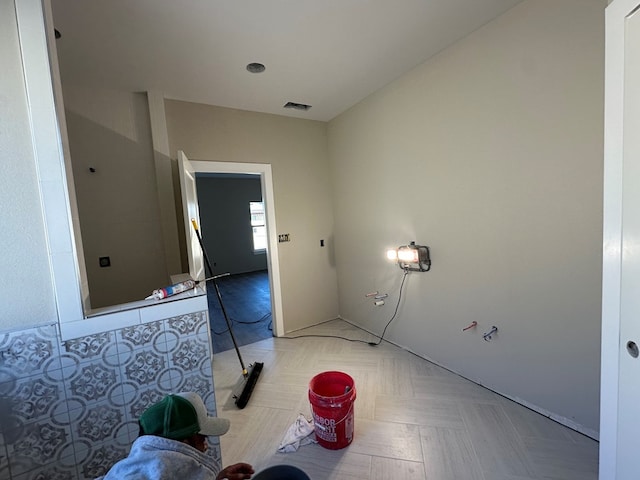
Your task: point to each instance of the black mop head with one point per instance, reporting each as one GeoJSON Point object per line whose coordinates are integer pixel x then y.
{"type": "Point", "coordinates": [249, 384]}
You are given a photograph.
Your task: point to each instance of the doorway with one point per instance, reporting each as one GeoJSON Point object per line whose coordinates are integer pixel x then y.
{"type": "Point", "coordinates": [233, 230]}
{"type": "Point", "coordinates": [263, 171]}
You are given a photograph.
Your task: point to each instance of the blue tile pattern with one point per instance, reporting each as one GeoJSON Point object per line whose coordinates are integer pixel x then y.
{"type": "Point", "coordinates": [89, 346]}
{"type": "Point", "coordinates": [69, 410]}
{"type": "Point", "coordinates": [94, 381]}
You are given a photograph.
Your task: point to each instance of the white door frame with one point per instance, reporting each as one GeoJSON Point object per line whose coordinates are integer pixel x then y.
{"type": "Point", "coordinates": [266, 180]}
{"type": "Point", "coordinates": [614, 465]}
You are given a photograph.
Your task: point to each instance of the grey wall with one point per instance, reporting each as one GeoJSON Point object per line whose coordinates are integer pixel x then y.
{"type": "Point", "coordinates": [297, 152]}
{"type": "Point", "coordinates": [109, 131]}
{"type": "Point", "coordinates": [26, 296]}
{"type": "Point", "coordinates": [226, 224]}
{"type": "Point", "coordinates": [491, 154]}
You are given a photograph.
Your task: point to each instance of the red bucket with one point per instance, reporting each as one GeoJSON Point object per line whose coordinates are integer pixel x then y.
{"type": "Point", "coordinates": [332, 395]}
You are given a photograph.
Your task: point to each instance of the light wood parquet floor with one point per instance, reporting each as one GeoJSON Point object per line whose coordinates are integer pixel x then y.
{"type": "Point", "coordinates": [413, 419]}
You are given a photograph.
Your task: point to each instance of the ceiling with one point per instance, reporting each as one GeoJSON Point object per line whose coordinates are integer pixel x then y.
{"type": "Point", "coordinates": [329, 54]}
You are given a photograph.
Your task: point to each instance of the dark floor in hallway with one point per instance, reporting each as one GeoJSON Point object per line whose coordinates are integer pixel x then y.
{"type": "Point", "coordinates": [247, 301]}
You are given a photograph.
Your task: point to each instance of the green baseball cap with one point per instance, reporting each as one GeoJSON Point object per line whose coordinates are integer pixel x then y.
{"type": "Point", "coordinates": [178, 416]}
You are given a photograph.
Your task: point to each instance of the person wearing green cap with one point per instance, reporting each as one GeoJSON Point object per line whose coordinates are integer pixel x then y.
{"type": "Point", "coordinates": [173, 442]}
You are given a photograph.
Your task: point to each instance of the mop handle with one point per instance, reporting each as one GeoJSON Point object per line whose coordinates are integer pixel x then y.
{"type": "Point", "coordinates": [213, 279]}
{"type": "Point", "coordinates": [215, 276]}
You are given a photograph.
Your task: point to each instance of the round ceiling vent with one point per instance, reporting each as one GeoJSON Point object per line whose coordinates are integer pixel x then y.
{"type": "Point", "coordinates": [256, 67]}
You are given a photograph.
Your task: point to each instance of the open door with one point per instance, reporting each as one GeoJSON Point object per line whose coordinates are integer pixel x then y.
{"type": "Point", "coordinates": [189, 211]}
{"type": "Point", "coordinates": [620, 352]}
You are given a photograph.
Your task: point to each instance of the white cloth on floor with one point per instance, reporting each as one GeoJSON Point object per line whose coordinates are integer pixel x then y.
{"type": "Point", "coordinates": [297, 435]}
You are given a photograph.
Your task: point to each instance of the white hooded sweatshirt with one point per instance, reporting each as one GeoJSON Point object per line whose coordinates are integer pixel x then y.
{"type": "Point", "coordinates": [157, 458]}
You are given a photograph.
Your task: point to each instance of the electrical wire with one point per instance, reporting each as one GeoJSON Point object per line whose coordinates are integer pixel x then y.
{"type": "Point", "coordinates": [327, 336]}
{"type": "Point", "coordinates": [261, 319]}
{"type": "Point", "coordinates": [404, 277]}
{"type": "Point", "coordinates": [239, 322]}
{"type": "Point", "coordinates": [373, 344]}
{"type": "Point", "coordinates": [219, 333]}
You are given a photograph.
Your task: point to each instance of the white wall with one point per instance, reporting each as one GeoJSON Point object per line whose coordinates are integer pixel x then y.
{"type": "Point", "coordinates": [491, 154]}
{"type": "Point", "coordinates": [297, 151]}
{"type": "Point", "coordinates": [26, 295]}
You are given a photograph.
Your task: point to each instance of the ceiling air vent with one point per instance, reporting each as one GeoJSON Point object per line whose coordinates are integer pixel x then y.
{"type": "Point", "coordinates": [256, 67]}
{"type": "Point", "coordinates": [297, 106]}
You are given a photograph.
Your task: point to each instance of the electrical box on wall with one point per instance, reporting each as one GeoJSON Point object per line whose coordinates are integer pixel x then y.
{"type": "Point", "coordinates": [283, 237]}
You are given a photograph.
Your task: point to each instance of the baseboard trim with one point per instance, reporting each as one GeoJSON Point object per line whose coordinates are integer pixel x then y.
{"type": "Point", "coordinates": [552, 416]}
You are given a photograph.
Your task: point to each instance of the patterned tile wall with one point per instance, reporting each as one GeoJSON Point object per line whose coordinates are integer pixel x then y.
{"type": "Point", "coordinates": [68, 410]}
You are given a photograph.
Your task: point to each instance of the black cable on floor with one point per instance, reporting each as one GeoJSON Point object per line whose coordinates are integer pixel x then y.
{"type": "Point", "coordinates": [220, 333]}
{"type": "Point", "coordinates": [327, 336]}
{"type": "Point", "coordinates": [373, 344]}
{"type": "Point", "coordinates": [261, 319]}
